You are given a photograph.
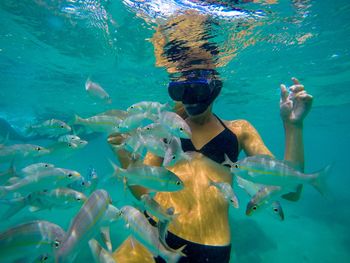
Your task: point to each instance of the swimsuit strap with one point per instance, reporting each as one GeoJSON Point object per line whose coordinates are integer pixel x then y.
{"type": "Point", "coordinates": [222, 123]}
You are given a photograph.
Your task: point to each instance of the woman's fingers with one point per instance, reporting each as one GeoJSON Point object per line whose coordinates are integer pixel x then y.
{"type": "Point", "coordinates": [284, 92]}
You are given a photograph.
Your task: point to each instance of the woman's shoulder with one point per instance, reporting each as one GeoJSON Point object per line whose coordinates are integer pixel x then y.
{"type": "Point", "coordinates": [239, 125]}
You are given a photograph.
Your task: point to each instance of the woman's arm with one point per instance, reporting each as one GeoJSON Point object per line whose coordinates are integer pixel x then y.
{"type": "Point", "coordinates": [295, 104]}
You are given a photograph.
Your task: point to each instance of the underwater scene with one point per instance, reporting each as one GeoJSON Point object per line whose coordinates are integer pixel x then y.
{"type": "Point", "coordinates": [99, 101]}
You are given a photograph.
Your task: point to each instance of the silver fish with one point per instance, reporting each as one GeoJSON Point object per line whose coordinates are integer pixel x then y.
{"type": "Point", "coordinates": [99, 254]}
{"type": "Point", "coordinates": [36, 168]}
{"type": "Point", "coordinates": [153, 107]}
{"type": "Point", "coordinates": [174, 153]}
{"type": "Point", "coordinates": [49, 128]}
{"type": "Point", "coordinates": [99, 123]}
{"type": "Point", "coordinates": [134, 121]}
{"type": "Point", "coordinates": [96, 91]}
{"type": "Point", "coordinates": [264, 169]}
{"type": "Point", "coordinates": [155, 209]}
{"type": "Point", "coordinates": [31, 240]}
{"type": "Point", "coordinates": [96, 212]}
{"type": "Point", "coordinates": [262, 197]}
{"type": "Point", "coordinates": [147, 234]}
{"type": "Point", "coordinates": [152, 177]}
{"type": "Point", "coordinates": [21, 151]}
{"type": "Point", "coordinates": [53, 178]}
{"type": "Point", "coordinates": [61, 198]}
{"type": "Point", "coordinates": [227, 192]}
{"type": "Point", "coordinates": [174, 124]}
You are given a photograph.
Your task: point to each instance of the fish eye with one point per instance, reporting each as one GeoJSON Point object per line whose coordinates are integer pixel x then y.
{"type": "Point", "coordinates": [181, 129]}
{"type": "Point", "coordinates": [165, 140]}
{"type": "Point", "coordinates": [178, 183]}
{"type": "Point", "coordinates": [70, 175]}
{"type": "Point", "coordinates": [38, 148]}
{"type": "Point", "coordinates": [148, 128]}
{"type": "Point", "coordinates": [254, 207]}
{"type": "Point", "coordinates": [57, 243]}
{"type": "Point", "coordinates": [174, 157]}
{"type": "Point", "coordinates": [69, 145]}
{"type": "Point", "coordinates": [236, 166]}
{"type": "Point", "coordinates": [78, 199]}
{"type": "Point", "coordinates": [83, 183]}
{"type": "Point", "coordinates": [46, 165]}
{"type": "Point", "coordinates": [275, 210]}
{"type": "Point", "coordinates": [45, 258]}
{"type": "Point", "coordinates": [62, 126]}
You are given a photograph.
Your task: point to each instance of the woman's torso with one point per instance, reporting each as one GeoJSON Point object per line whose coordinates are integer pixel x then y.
{"type": "Point", "coordinates": [202, 213]}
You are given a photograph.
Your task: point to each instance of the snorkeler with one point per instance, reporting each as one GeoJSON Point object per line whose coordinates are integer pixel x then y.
{"type": "Point", "coordinates": [202, 224]}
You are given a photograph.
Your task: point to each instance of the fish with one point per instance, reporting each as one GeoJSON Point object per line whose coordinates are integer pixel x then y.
{"type": "Point", "coordinates": [264, 169]}
{"type": "Point", "coordinates": [50, 128]}
{"type": "Point", "coordinates": [93, 179]}
{"type": "Point", "coordinates": [262, 198]}
{"type": "Point", "coordinates": [99, 123]}
{"type": "Point", "coordinates": [174, 124]}
{"type": "Point", "coordinates": [69, 138]}
{"type": "Point", "coordinates": [151, 206]}
{"type": "Point", "coordinates": [99, 254]}
{"type": "Point", "coordinates": [147, 235]}
{"type": "Point", "coordinates": [30, 240]}
{"type": "Point", "coordinates": [21, 151]}
{"type": "Point", "coordinates": [154, 129]}
{"type": "Point", "coordinates": [138, 144]}
{"type": "Point", "coordinates": [174, 152]}
{"type": "Point", "coordinates": [97, 92]}
{"type": "Point", "coordinates": [134, 121]}
{"type": "Point", "coordinates": [64, 149]}
{"type": "Point", "coordinates": [264, 201]}
{"type": "Point", "coordinates": [60, 198]}
{"type": "Point", "coordinates": [36, 168]}
{"type": "Point", "coordinates": [97, 211]}
{"type": "Point", "coordinates": [227, 192]}
{"type": "Point", "coordinates": [151, 107]}
{"type": "Point", "coordinates": [165, 216]}
{"type": "Point", "coordinates": [152, 177]}
{"type": "Point", "coordinates": [50, 179]}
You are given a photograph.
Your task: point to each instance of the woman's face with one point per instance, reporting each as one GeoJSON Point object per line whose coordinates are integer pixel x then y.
{"type": "Point", "coordinates": [195, 95]}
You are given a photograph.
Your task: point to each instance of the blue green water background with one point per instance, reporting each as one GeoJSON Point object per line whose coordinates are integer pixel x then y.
{"type": "Point", "coordinates": [45, 58]}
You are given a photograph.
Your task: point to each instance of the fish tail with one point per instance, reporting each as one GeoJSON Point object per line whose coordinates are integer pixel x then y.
{"type": "Point", "coordinates": [319, 181]}
{"type": "Point", "coordinates": [77, 119]}
{"type": "Point", "coordinates": [117, 170]}
{"type": "Point", "coordinates": [175, 255]}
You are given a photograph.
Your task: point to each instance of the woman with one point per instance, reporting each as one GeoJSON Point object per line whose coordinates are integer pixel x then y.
{"type": "Point", "coordinates": [202, 222]}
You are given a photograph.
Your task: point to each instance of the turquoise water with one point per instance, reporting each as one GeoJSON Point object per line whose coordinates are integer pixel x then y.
{"type": "Point", "coordinates": [49, 48]}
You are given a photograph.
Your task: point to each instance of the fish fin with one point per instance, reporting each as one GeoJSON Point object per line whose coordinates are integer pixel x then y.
{"type": "Point", "coordinates": [320, 179]}
{"type": "Point", "coordinates": [13, 180]}
{"type": "Point", "coordinates": [174, 257]}
{"type": "Point", "coordinates": [35, 208]}
{"type": "Point", "coordinates": [77, 119]}
{"type": "Point", "coordinates": [106, 237]}
{"type": "Point", "coordinates": [117, 170]}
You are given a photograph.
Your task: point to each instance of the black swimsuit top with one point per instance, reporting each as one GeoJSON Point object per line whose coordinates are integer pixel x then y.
{"type": "Point", "coordinates": [225, 142]}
